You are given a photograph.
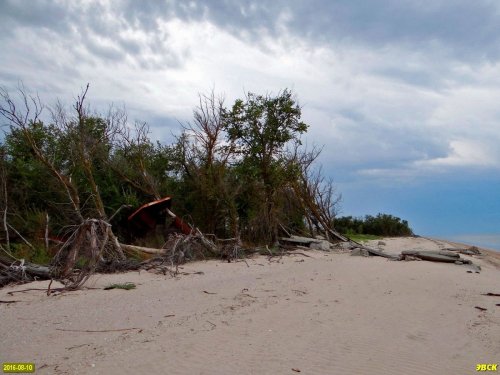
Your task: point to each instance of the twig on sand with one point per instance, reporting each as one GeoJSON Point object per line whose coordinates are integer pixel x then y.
{"type": "Point", "coordinates": [48, 288]}
{"type": "Point", "coordinates": [29, 289]}
{"type": "Point", "coordinates": [76, 346]}
{"type": "Point", "coordinates": [61, 290]}
{"type": "Point", "coordinates": [208, 292]}
{"type": "Point", "coordinates": [10, 301]}
{"type": "Point", "coordinates": [248, 295]}
{"type": "Point", "coordinates": [98, 331]}
{"type": "Point", "coordinates": [298, 253]}
{"type": "Point", "coordinates": [492, 294]}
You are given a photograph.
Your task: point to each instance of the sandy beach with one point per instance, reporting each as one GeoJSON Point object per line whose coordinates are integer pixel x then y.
{"type": "Point", "coordinates": [325, 313]}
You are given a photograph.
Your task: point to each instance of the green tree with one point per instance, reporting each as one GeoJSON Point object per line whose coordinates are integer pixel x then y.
{"type": "Point", "coordinates": [260, 127]}
{"type": "Point", "coordinates": [82, 138]}
{"type": "Point", "coordinates": [204, 164]}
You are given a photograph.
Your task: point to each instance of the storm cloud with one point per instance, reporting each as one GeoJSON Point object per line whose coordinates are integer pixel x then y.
{"type": "Point", "coordinates": [398, 91]}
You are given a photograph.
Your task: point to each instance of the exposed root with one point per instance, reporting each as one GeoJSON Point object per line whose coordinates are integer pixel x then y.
{"type": "Point", "coordinates": [80, 255]}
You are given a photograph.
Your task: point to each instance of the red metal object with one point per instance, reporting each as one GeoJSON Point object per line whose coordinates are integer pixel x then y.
{"type": "Point", "coordinates": [149, 215]}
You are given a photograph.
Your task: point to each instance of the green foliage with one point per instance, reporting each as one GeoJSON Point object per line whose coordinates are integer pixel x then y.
{"type": "Point", "coordinates": [125, 286]}
{"type": "Point", "coordinates": [260, 128]}
{"type": "Point", "coordinates": [38, 255]}
{"type": "Point", "coordinates": [230, 173]}
{"type": "Point", "coordinates": [262, 124]}
{"type": "Point", "coordinates": [380, 225]}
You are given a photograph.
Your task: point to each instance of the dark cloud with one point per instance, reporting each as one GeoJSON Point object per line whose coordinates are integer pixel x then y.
{"type": "Point", "coordinates": [36, 14]}
{"type": "Point", "coordinates": [461, 29]}
{"type": "Point", "coordinates": [414, 76]}
{"type": "Point", "coordinates": [458, 27]}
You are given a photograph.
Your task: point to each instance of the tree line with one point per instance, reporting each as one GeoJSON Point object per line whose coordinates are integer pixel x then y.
{"type": "Point", "coordinates": [236, 171]}
{"type": "Point", "coordinates": [380, 225]}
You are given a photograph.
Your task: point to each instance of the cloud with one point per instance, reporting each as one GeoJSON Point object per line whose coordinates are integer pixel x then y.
{"type": "Point", "coordinates": [387, 85]}
{"type": "Point", "coordinates": [465, 153]}
{"type": "Point", "coordinates": [461, 29]}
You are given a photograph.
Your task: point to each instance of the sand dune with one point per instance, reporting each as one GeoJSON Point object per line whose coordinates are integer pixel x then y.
{"type": "Point", "coordinates": [324, 314]}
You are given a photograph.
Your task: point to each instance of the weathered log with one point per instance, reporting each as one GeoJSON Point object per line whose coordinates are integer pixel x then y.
{"type": "Point", "coordinates": [446, 253]}
{"type": "Point", "coordinates": [37, 270]}
{"type": "Point", "coordinates": [337, 235]}
{"type": "Point", "coordinates": [435, 256]}
{"type": "Point", "coordinates": [30, 269]}
{"type": "Point", "coordinates": [378, 252]}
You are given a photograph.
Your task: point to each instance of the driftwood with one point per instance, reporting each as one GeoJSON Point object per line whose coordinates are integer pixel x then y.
{"type": "Point", "coordinates": [473, 250]}
{"type": "Point", "coordinates": [13, 270]}
{"type": "Point", "coordinates": [337, 235]}
{"type": "Point", "coordinates": [88, 250]}
{"type": "Point", "coordinates": [28, 268]}
{"type": "Point", "coordinates": [435, 256]}
{"type": "Point", "coordinates": [371, 251]}
{"type": "Point", "coordinates": [90, 243]}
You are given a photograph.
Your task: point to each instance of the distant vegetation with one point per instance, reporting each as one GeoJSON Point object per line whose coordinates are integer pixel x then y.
{"type": "Point", "coordinates": [380, 225]}
{"type": "Point", "coordinates": [363, 237]}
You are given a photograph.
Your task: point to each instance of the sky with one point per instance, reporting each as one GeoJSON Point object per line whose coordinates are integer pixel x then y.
{"type": "Point", "coordinates": [403, 94]}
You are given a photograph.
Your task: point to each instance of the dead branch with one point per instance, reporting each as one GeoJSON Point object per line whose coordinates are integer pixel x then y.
{"type": "Point", "coordinates": [47, 232]}
{"type": "Point", "coordinates": [20, 235]}
{"type": "Point", "coordinates": [316, 195]}
{"type": "Point", "coordinates": [118, 210]}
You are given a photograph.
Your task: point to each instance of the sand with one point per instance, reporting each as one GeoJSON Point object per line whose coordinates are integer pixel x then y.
{"type": "Point", "coordinates": [328, 313]}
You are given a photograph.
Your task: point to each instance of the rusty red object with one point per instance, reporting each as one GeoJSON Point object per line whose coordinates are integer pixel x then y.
{"type": "Point", "coordinates": [149, 215]}
{"type": "Point", "coordinates": [182, 226]}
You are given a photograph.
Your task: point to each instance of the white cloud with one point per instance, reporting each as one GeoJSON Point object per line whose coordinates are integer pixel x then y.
{"type": "Point", "coordinates": [465, 153]}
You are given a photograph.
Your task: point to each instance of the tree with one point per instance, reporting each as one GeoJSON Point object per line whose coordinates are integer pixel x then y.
{"type": "Point", "coordinates": [205, 158]}
{"type": "Point", "coordinates": [261, 127]}
{"type": "Point", "coordinates": [86, 138]}
{"type": "Point", "coordinates": [316, 194]}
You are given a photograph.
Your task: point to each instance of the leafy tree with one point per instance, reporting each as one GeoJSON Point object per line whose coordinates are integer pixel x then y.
{"type": "Point", "coordinates": [83, 139]}
{"type": "Point", "coordinates": [260, 127]}
{"type": "Point", "coordinates": [204, 164]}
{"type": "Point", "coordinates": [234, 172]}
